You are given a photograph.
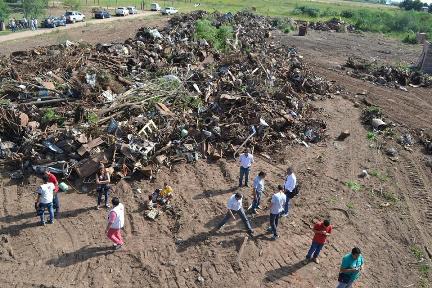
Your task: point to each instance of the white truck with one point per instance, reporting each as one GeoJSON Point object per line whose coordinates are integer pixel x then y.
{"type": "Point", "coordinates": [74, 16]}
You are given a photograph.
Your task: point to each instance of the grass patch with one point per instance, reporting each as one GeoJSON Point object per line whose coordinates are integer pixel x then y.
{"type": "Point", "coordinates": [350, 206]}
{"type": "Point", "coordinates": [217, 37]}
{"type": "Point", "coordinates": [51, 117]}
{"type": "Point", "coordinates": [354, 186]}
{"type": "Point", "coordinates": [371, 136]}
{"type": "Point", "coordinates": [92, 118]}
{"type": "Point", "coordinates": [382, 177]}
{"type": "Point", "coordinates": [410, 38]}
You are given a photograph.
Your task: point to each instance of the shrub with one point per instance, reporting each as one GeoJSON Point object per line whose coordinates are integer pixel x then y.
{"type": "Point", "coordinates": [217, 37]}
{"type": "Point", "coordinates": [410, 38]}
{"type": "Point", "coordinates": [307, 10]}
{"type": "Point", "coordinates": [347, 14]}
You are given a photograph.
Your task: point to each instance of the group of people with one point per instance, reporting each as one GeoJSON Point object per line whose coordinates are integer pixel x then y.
{"type": "Point", "coordinates": [352, 263]}
{"type": "Point", "coordinates": [48, 199]}
{"type": "Point", "coordinates": [15, 24]}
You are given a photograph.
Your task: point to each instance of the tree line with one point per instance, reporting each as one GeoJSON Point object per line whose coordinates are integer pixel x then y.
{"type": "Point", "coordinates": [415, 5]}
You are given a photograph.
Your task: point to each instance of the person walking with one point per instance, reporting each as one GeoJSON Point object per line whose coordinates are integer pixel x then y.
{"type": "Point", "coordinates": [276, 207]}
{"type": "Point", "coordinates": [13, 25]}
{"type": "Point", "coordinates": [235, 206]}
{"type": "Point", "coordinates": [258, 190]}
{"type": "Point", "coordinates": [321, 230]}
{"type": "Point", "coordinates": [56, 203]}
{"type": "Point", "coordinates": [289, 186]}
{"type": "Point", "coordinates": [351, 266]}
{"type": "Point", "coordinates": [32, 24]}
{"type": "Point", "coordinates": [116, 223]}
{"type": "Point", "coordinates": [45, 200]}
{"type": "Point", "coordinates": [103, 180]}
{"type": "Point", "coordinates": [246, 160]}
{"type": "Point", "coordinates": [36, 23]}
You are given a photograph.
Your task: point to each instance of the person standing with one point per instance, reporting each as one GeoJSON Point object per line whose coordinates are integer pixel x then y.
{"type": "Point", "coordinates": [45, 199]}
{"type": "Point", "coordinates": [116, 223]}
{"type": "Point", "coordinates": [235, 206]}
{"type": "Point", "coordinates": [321, 230]}
{"type": "Point", "coordinates": [246, 160]}
{"type": "Point", "coordinates": [351, 266]}
{"type": "Point", "coordinates": [103, 180]}
{"type": "Point", "coordinates": [32, 24]}
{"type": "Point", "coordinates": [56, 203]}
{"type": "Point", "coordinates": [258, 189]}
{"type": "Point", "coordinates": [289, 186]}
{"type": "Point", "coordinates": [276, 207]}
{"type": "Point", "coordinates": [36, 23]}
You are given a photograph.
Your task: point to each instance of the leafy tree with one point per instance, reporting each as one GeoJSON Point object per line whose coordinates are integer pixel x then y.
{"type": "Point", "coordinates": [4, 11]}
{"type": "Point", "coordinates": [72, 4]}
{"type": "Point", "coordinates": [416, 5]}
{"type": "Point", "coordinates": [34, 8]}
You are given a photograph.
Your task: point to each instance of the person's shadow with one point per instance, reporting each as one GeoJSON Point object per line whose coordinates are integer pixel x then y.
{"type": "Point", "coordinates": [81, 255]}
{"type": "Point", "coordinates": [214, 193]}
{"type": "Point", "coordinates": [274, 275]}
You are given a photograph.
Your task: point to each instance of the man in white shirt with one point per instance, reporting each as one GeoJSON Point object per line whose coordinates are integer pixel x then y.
{"type": "Point", "coordinates": [246, 160]}
{"type": "Point", "coordinates": [276, 207]}
{"type": "Point", "coordinates": [45, 199]}
{"type": "Point", "coordinates": [289, 186]}
{"type": "Point", "coordinates": [235, 206]}
{"type": "Point", "coordinates": [258, 188]}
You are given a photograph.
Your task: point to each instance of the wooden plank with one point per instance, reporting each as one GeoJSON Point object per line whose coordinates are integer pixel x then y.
{"type": "Point", "coordinates": [87, 147]}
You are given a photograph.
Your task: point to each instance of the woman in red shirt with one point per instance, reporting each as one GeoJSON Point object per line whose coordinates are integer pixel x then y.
{"type": "Point", "coordinates": [322, 230]}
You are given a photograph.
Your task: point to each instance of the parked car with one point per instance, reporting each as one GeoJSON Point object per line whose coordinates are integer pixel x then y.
{"type": "Point", "coordinates": [169, 11]}
{"type": "Point", "coordinates": [122, 11]}
{"type": "Point", "coordinates": [155, 7]}
{"type": "Point", "coordinates": [53, 22]}
{"type": "Point", "coordinates": [74, 16]}
{"type": "Point", "coordinates": [132, 10]}
{"type": "Point", "coordinates": [102, 14]}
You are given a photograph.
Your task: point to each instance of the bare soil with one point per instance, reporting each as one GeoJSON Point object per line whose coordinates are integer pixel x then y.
{"type": "Point", "coordinates": [177, 248]}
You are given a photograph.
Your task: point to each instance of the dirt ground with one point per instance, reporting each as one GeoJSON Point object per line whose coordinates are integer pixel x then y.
{"type": "Point", "coordinates": [177, 248]}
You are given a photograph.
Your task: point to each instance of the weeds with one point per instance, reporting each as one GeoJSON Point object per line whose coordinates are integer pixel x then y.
{"type": "Point", "coordinates": [371, 136]}
{"type": "Point", "coordinates": [410, 38]}
{"type": "Point", "coordinates": [92, 118]}
{"type": "Point", "coordinates": [217, 37]}
{"type": "Point", "coordinates": [350, 206]}
{"type": "Point", "coordinates": [382, 177]}
{"type": "Point", "coordinates": [423, 268]}
{"type": "Point", "coordinates": [354, 186]}
{"type": "Point", "coordinates": [50, 116]}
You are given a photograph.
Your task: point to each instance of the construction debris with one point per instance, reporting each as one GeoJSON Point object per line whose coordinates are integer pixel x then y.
{"type": "Point", "coordinates": [159, 99]}
{"type": "Point", "coordinates": [390, 76]}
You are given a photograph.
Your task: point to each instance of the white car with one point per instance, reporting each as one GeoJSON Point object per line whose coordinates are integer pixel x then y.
{"type": "Point", "coordinates": [169, 11]}
{"type": "Point", "coordinates": [132, 10]}
{"type": "Point", "coordinates": [122, 11]}
{"type": "Point", "coordinates": [74, 16]}
{"type": "Point", "coordinates": [155, 7]}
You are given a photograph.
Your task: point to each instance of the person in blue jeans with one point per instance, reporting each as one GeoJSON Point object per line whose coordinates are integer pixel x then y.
{"type": "Point", "coordinates": [258, 188]}
{"type": "Point", "coordinates": [246, 160]}
{"type": "Point", "coordinates": [235, 206]}
{"type": "Point", "coordinates": [45, 200]}
{"type": "Point", "coordinates": [103, 180]}
{"type": "Point", "coordinates": [322, 230]}
{"type": "Point", "coordinates": [351, 266]}
{"type": "Point", "coordinates": [289, 186]}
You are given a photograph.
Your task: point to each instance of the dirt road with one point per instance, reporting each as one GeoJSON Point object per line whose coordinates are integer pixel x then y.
{"type": "Point", "coordinates": [178, 247]}
{"type": "Point", "coordinates": [41, 31]}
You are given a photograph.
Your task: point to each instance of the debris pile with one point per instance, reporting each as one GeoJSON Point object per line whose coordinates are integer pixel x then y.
{"type": "Point", "coordinates": [387, 75]}
{"type": "Point", "coordinates": [333, 24]}
{"type": "Point", "coordinates": [161, 98]}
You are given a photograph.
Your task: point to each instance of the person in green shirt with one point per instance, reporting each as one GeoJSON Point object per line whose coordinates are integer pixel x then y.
{"type": "Point", "coordinates": [351, 266]}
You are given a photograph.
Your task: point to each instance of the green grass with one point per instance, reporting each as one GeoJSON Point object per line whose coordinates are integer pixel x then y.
{"type": "Point", "coordinates": [382, 177]}
{"type": "Point", "coordinates": [354, 186]}
{"type": "Point", "coordinates": [372, 136]}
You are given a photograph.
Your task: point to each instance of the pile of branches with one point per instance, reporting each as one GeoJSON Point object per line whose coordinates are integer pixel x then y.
{"type": "Point", "coordinates": [387, 75]}
{"type": "Point", "coordinates": [202, 101]}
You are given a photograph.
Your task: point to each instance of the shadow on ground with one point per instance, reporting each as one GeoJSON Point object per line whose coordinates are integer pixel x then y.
{"type": "Point", "coordinates": [83, 254]}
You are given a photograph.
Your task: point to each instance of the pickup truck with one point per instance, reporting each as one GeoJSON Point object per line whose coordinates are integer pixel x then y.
{"type": "Point", "coordinates": [74, 16]}
{"type": "Point", "coordinates": [122, 11]}
{"type": "Point", "coordinates": [169, 11]}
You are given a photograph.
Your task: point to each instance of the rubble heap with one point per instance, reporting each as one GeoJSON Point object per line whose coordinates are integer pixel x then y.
{"type": "Point", "coordinates": [387, 75]}
{"type": "Point", "coordinates": [162, 97]}
{"type": "Point", "coordinates": [333, 24]}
